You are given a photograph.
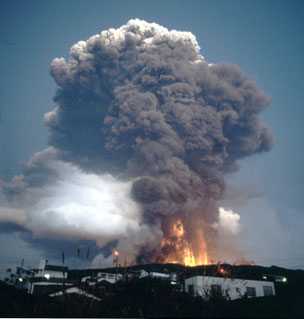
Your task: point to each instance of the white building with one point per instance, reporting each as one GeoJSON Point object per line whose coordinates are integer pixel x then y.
{"type": "Point", "coordinates": [100, 277]}
{"type": "Point", "coordinates": [6, 271]}
{"type": "Point", "coordinates": [165, 276]}
{"type": "Point", "coordinates": [17, 276]}
{"type": "Point", "coordinates": [110, 277]}
{"type": "Point", "coordinates": [154, 274]}
{"type": "Point", "coordinates": [48, 278]}
{"type": "Point", "coordinates": [50, 271]}
{"type": "Point", "coordinates": [228, 287]}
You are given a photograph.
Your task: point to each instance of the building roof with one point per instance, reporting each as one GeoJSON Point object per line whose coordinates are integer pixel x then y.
{"type": "Point", "coordinates": [230, 279]}
{"type": "Point", "coordinates": [53, 280]}
{"type": "Point", "coordinates": [56, 268]}
{"type": "Point", "coordinates": [74, 290]}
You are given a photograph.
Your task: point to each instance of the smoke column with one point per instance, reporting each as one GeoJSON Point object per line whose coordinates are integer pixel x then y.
{"type": "Point", "coordinates": [141, 103]}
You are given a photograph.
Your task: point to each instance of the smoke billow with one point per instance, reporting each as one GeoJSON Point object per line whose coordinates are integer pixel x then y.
{"type": "Point", "coordinates": [140, 103]}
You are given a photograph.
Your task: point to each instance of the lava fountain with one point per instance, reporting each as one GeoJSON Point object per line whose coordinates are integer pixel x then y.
{"type": "Point", "coordinates": [179, 248]}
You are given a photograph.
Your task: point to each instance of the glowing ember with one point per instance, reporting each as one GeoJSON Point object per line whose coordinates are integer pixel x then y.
{"type": "Point", "coordinates": [179, 249]}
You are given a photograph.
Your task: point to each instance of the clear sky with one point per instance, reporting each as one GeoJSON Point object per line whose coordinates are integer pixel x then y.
{"type": "Point", "coordinates": [264, 38]}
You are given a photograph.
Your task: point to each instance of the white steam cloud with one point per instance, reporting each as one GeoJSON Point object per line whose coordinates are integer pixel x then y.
{"type": "Point", "coordinates": [86, 206]}
{"type": "Point", "coordinates": [229, 221]}
{"type": "Point", "coordinates": [74, 205]}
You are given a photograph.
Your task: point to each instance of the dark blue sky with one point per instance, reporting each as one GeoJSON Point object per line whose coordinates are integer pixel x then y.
{"type": "Point", "coordinates": [264, 38]}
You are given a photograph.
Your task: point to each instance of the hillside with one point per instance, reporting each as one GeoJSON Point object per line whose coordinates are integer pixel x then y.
{"type": "Point", "coordinates": [233, 271]}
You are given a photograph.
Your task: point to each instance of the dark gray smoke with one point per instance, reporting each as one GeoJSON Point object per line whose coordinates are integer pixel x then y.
{"type": "Point", "coordinates": [141, 102]}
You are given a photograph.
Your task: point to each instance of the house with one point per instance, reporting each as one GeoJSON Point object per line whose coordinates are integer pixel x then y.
{"type": "Point", "coordinates": [153, 274]}
{"type": "Point", "coordinates": [109, 276]}
{"type": "Point", "coordinates": [48, 278]}
{"type": "Point", "coordinates": [50, 271]}
{"type": "Point", "coordinates": [103, 276]}
{"type": "Point", "coordinates": [231, 288]}
{"type": "Point", "coordinates": [45, 279]}
{"type": "Point", "coordinates": [17, 276]}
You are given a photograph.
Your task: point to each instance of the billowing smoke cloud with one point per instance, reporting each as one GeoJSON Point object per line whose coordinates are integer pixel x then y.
{"type": "Point", "coordinates": [56, 199]}
{"type": "Point", "coordinates": [139, 103]}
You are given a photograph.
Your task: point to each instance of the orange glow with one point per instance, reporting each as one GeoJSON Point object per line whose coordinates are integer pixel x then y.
{"type": "Point", "coordinates": [116, 253]}
{"type": "Point", "coordinates": [180, 249]}
{"type": "Point", "coordinates": [179, 228]}
{"type": "Point", "coordinates": [222, 271]}
{"type": "Point", "coordinates": [242, 261]}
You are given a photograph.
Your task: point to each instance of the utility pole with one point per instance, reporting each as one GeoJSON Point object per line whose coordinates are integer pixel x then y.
{"type": "Point", "coordinates": [184, 278]}
{"type": "Point", "coordinates": [116, 254]}
{"type": "Point", "coordinates": [125, 270]}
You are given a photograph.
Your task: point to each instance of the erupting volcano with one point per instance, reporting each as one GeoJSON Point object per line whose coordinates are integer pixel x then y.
{"type": "Point", "coordinates": [177, 248]}
{"type": "Point", "coordinates": [140, 104]}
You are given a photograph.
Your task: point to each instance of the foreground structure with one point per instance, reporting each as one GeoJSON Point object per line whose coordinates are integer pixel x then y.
{"type": "Point", "coordinates": [230, 288]}
{"type": "Point", "coordinates": [216, 281]}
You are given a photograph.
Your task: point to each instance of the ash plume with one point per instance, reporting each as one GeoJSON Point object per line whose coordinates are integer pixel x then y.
{"type": "Point", "coordinates": [141, 103]}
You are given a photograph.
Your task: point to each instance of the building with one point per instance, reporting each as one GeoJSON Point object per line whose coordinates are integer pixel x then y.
{"type": "Point", "coordinates": [153, 274]}
{"type": "Point", "coordinates": [99, 277]}
{"type": "Point", "coordinates": [230, 288]}
{"type": "Point", "coordinates": [17, 276]}
{"type": "Point", "coordinates": [48, 278]}
{"type": "Point", "coordinates": [109, 276]}
{"type": "Point", "coordinates": [51, 271]}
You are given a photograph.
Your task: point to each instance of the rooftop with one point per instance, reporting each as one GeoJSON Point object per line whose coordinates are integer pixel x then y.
{"type": "Point", "coordinates": [56, 268]}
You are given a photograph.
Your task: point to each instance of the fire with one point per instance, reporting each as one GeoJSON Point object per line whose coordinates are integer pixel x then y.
{"type": "Point", "coordinates": [190, 260]}
{"type": "Point", "coordinates": [178, 248]}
